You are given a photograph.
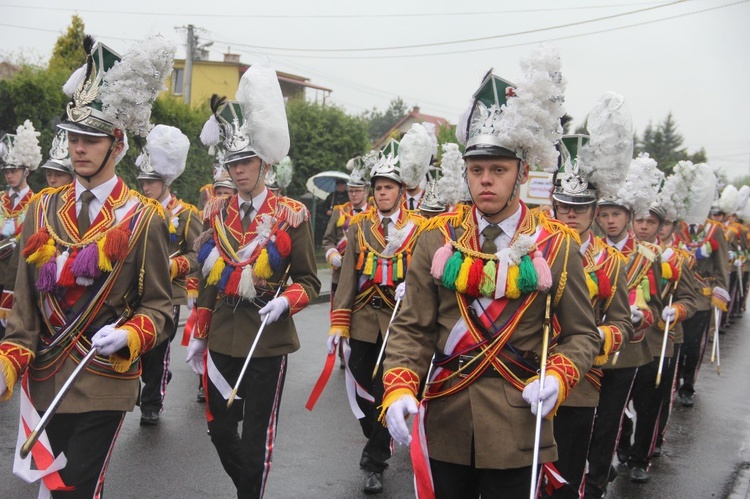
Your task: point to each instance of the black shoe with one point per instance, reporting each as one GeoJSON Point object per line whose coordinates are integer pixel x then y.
{"type": "Point", "coordinates": [201, 398]}
{"type": "Point", "coordinates": [169, 376]}
{"type": "Point", "coordinates": [622, 456]}
{"type": "Point", "coordinates": [149, 418]}
{"type": "Point", "coordinates": [374, 483]}
{"type": "Point", "coordinates": [686, 400]}
{"type": "Point", "coordinates": [638, 474]}
{"type": "Point", "coordinates": [612, 474]}
{"type": "Point", "coordinates": [657, 452]}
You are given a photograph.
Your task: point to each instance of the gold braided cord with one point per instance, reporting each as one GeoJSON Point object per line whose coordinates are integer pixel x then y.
{"type": "Point", "coordinates": [618, 264]}
{"type": "Point", "coordinates": [564, 275]}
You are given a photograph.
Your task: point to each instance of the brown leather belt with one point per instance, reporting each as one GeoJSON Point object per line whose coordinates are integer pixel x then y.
{"type": "Point", "coordinates": [522, 373]}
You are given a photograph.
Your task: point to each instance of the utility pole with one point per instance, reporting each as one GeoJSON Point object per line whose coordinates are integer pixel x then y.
{"type": "Point", "coordinates": [188, 77]}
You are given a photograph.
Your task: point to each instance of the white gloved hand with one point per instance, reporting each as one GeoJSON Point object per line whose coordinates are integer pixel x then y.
{"type": "Point", "coordinates": [669, 313]}
{"type": "Point", "coordinates": [3, 386]}
{"type": "Point", "coordinates": [548, 395]}
{"type": "Point", "coordinates": [332, 342]}
{"type": "Point", "coordinates": [732, 255]}
{"type": "Point", "coordinates": [4, 322]}
{"type": "Point", "coordinates": [194, 358]}
{"type": "Point", "coordinates": [636, 315]}
{"type": "Point", "coordinates": [721, 294]}
{"type": "Point", "coordinates": [274, 309]}
{"type": "Point", "coordinates": [396, 421]}
{"type": "Point", "coordinates": [336, 260]}
{"type": "Point", "coordinates": [191, 302]}
{"type": "Point", "coordinates": [109, 340]}
{"type": "Point", "coordinates": [400, 291]}
{"type": "Point", "coordinates": [601, 333]}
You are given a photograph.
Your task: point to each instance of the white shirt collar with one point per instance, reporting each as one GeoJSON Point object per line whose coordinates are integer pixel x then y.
{"type": "Point", "coordinates": [509, 225]}
{"type": "Point", "coordinates": [393, 216]}
{"type": "Point", "coordinates": [167, 200]}
{"type": "Point", "coordinates": [585, 244]}
{"type": "Point", "coordinates": [20, 193]}
{"type": "Point", "coordinates": [361, 208]}
{"type": "Point", "coordinates": [101, 192]}
{"type": "Point", "coordinates": [257, 200]}
{"type": "Point", "coordinates": [619, 245]}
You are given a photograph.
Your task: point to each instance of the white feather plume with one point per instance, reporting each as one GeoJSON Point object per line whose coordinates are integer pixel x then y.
{"type": "Point", "coordinates": [130, 87]}
{"type": "Point", "coordinates": [605, 159]}
{"type": "Point", "coordinates": [259, 95]}
{"type": "Point", "coordinates": [729, 199]}
{"type": "Point", "coordinates": [676, 194]}
{"type": "Point", "coordinates": [75, 79]}
{"type": "Point", "coordinates": [451, 185]}
{"type": "Point", "coordinates": [167, 149]}
{"type": "Point", "coordinates": [641, 185]}
{"type": "Point", "coordinates": [431, 131]}
{"type": "Point", "coordinates": [744, 195]}
{"type": "Point", "coordinates": [26, 151]}
{"type": "Point", "coordinates": [210, 133]}
{"type": "Point", "coordinates": [414, 154]}
{"type": "Point", "coordinates": [702, 194]}
{"type": "Point", "coordinates": [284, 172]}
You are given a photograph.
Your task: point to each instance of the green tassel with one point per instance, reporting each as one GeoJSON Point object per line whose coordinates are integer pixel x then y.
{"type": "Point", "coordinates": [646, 292]}
{"type": "Point", "coordinates": [374, 267]}
{"type": "Point", "coordinates": [527, 279]}
{"type": "Point", "coordinates": [487, 286]}
{"type": "Point", "coordinates": [452, 268]}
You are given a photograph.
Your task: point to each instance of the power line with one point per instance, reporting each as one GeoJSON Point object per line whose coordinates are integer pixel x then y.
{"type": "Point", "coordinates": [330, 16]}
{"type": "Point", "coordinates": [468, 40]}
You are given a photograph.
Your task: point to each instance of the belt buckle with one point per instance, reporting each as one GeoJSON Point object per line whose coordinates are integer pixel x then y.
{"type": "Point", "coordinates": [464, 360]}
{"type": "Point", "coordinates": [376, 302]}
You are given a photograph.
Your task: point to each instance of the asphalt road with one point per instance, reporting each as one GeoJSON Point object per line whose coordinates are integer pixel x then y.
{"type": "Point", "coordinates": [317, 454]}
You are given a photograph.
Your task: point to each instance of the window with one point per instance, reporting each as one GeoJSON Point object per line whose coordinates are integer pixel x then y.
{"type": "Point", "coordinates": [177, 79]}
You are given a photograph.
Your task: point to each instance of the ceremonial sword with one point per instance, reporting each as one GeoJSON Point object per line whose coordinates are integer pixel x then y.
{"type": "Point", "coordinates": [542, 374]}
{"type": "Point", "coordinates": [664, 345]}
{"type": "Point", "coordinates": [385, 338]}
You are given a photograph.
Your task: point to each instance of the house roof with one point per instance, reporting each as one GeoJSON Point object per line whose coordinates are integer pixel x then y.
{"type": "Point", "coordinates": [416, 117]}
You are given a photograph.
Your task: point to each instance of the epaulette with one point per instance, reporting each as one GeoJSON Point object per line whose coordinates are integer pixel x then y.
{"type": "Point", "coordinates": [48, 190]}
{"type": "Point", "coordinates": [189, 207]}
{"type": "Point", "coordinates": [363, 215]}
{"type": "Point", "coordinates": [555, 226]}
{"type": "Point", "coordinates": [341, 207]}
{"type": "Point", "coordinates": [292, 211]}
{"type": "Point", "coordinates": [152, 203]}
{"type": "Point", "coordinates": [453, 218]}
{"type": "Point", "coordinates": [206, 188]}
{"type": "Point", "coordinates": [214, 206]}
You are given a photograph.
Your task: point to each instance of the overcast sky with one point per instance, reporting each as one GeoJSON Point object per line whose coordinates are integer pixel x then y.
{"type": "Point", "coordinates": [689, 57]}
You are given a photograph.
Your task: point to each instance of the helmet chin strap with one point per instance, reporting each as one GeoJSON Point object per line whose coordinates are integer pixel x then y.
{"type": "Point", "coordinates": [88, 178]}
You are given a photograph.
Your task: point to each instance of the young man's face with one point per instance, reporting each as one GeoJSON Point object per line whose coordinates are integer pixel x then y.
{"type": "Point", "coordinates": [356, 196]}
{"type": "Point", "coordinates": [647, 228]}
{"type": "Point", "coordinates": [492, 181]}
{"type": "Point", "coordinates": [57, 178]}
{"type": "Point", "coordinates": [246, 175]}
{"type": "Point", "coordinates": [14, 177]}
{"type": "Point", "coordinates": [575, 216]}
{"type": "Point", "coordinates": [224, 191]}
{"type": "Point", "coordinates": [387, 193]}
{"type": "Point", "coordinates": [88, 152]}
{"type": "Point", "coordinates": [152, 188]}
{"type": "Point", "coordinates": [613, 220]}
{"type": "Point", "coordinates": [666, 230]}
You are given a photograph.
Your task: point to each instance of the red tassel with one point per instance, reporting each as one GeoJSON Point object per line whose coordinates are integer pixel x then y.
{"type": "Point", "coordinates": [36, 241]}
{"type": "Point", "coordinates": [378, 279]}
{"type": "Point", "coordinates": [233, 284]}
{"type": "Point", "coordinates": [675, 272]}
{"type": "Point", "coordinates": [476, 271]}
{"type": "Point", "coordinates": [360, 260]}
{"type": "Point", "coordinates": [67, 279]}
{"type": "Point", "coordinates": [714, 244]}
{"type": "Point", "coordinates": [408, 257]}
{"type": "Point", "coordinates": [283, 243]}
{"type": "Point", "coordinates": [651, 283]}
{"type": "Point", "coordinates": [116, 245]}
{"type": "Point", "coordinates": [605, 285]}
{"type": "Point", "coordinates": [389, 273]}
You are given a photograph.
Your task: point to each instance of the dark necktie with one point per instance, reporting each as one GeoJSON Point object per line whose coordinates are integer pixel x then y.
{"type": "Point", "coordinates": [411, 204]}
{"type": "Point", "coordinates": [246, 219]}
{"type": "Point", "coordinates": [357, 210]}
{"type": "Point", "coordinates": [490, 233]}
{"type": "Point", "coordinates": [13, 198]}
{"type": "Point", "coordinates": [84, 222]}
{"type": "Point", "coordinates": [385, 222]}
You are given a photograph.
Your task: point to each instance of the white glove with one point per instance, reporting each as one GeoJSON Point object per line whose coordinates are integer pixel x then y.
{"type": "Point", "coordinates": [601, 333]}
{"type": "Point", "coordinates": [274, 309]}
{"type": "Point", "coordinates": [195, 356]}
{"type": "Point", "coordinates": [109, 340]}
{"type": "Point", "coordinates": [333, 342]}
{"type": "Point", "coordinates": [732, 255]}
{"type": "Point", "coordinates": [394, 418]}
{"type": "Point", "coordinates": [336, 260]}
{"type": "Point", "coordinates": [548, 395]}
{"type": "Point", "coordinates": [4, 322]}
{"type": "Point", "coordinates": [400, 291]}
{"type": "Point", "coordinates": [669, 314]}
{"type": "Point", "coordinates": [191, 302]}
{"type": "Point", "coordinates": [721, 294]}
{"type": "Point", "coordinates": [738, 263]}
{"type": "Point", "coordinates": [636, 315]}
{"type": "Point", "coordinates": [3, 386]}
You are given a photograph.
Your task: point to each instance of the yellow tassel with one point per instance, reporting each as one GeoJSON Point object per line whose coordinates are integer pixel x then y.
{"type": "Point", "coordinates": [511, 289]}
{"type": "Point", "coordinates": [43, 254]}
{"type": "Point", "coordinates": [368, 265]}
{"type": "Point", "coordinates": [172, 228]}
{"type": "Point", "coordinates": [216, 270]}
{"type": "Point", "coordinates": [262, 267]}
{"type": "Point", "coordinates": [173, 269]}
{"type": "Point", "coordinates": [400, 266]}
{"type": "Point", "coordinates": [639, 301]}
{"type": "Point", "coordinates": [105, 264]}
{"type": "Point", "coordinates": [463, 275]}
{"type": "Point", "coordinates": [666, 271]}
{"type": "Point", "coordinates": [340, 221]}
{"type": "Point", "coordinates": [593, 288]}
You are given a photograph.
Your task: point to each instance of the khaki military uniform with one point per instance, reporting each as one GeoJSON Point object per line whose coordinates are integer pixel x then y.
{"type": "Point", "coordinates": [11, 218]}
{"type": "Point", "coordinates": [334, 238]}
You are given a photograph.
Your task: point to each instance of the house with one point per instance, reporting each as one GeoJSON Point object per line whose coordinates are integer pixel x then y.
{"type": "Point", "coordinates": [223, 78]}
{"type": "Point", "coordinates": [404, 124]}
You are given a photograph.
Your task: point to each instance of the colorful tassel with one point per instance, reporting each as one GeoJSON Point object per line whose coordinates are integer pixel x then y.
{"type": "Point", "coordinates": [400, 267]}
{"type": "Point", "coordinates": [116, 245]}
{"type": "Point", "coordinates": [84, 281]}
{"type": "Point", "coordinates": [451, 270]}
{"type": "Point", "coordinates": [666, 271]}
{"type": "Point", "coordinates": [216, 270]}
{"type": "Point", "coordinates": [476, 272]}
{"type": "Point", "coordinates": [205, 250]}
{"type": "Point", "coordinates": [543, 272]}
{"type": "Point", "coordinates": [651, 283]}
{"type": "Point", "coordinates": [224, 279]}
{"type": "Point", "coordinates": [487, 286]}
{"type": "Point", "coordinates": [394, 268]}
{"type": "Point", "coordinates": [47, 281]}
{"type": "Point", "coordinates": [60, 262]}
{"type": "Point", "coordinates": [262, 266]}
{"type": "Point", "coordinates": [512, 290]}
{"type": "Point", "coordinates": [105, 264]}
{"type": "Point", "coordinates": [246, 287]}
{"type": "Point", "coordinates": [501, 278]}
{"type": "Point", "coordinates": [605, 284]}
{"type": "Point", "coordinates": [35, 242]}
{"type": "Point", "coordinates": [202, 238]}
{"type": "Point", "coordinates": [208, 263]}
{"type": "Point", "coordinates": [67, 279]}
{"type": "Point", "coordinates": [440, 259]}
{"type": "Point", "coordinates": [86, 263]}
{"type": "Point", "coordinates": [374, 266]}
{"type": "Point", "coordinates": [368, 264]}
{"type": "Point", "coordinates": [593, 288]}
{"type": "Point", "coordinates": [283, 243]}
{"type": "Point", "coordinates": [361, 260]}
{"type": "Point", "coordinates": [233, 283]}
{"type": "Point", "coordinates": [639, 301]}
{"type": "Point", "coordinates": [713, 244]}
{"type": "Point", "coordinates": [463, 274]}
{"type": "Point", "coordinates": [43, 254]}
{"type": "Point", "coordinates": [388, 271]}
{"type": "Point", "coordinates": [645, 288]}
{"type": "Point", "coordinates": [340, 221]}
{"type": "Point", "coordinates": [527, 281]}
{"type": "Point", "coordinates": [274, 257]}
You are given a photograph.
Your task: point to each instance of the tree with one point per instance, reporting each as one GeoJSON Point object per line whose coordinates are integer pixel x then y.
{"type": "Point", "coordinates": [68, 54]}
{"type": "Point", "coordinates": [664, 144]}
{"type": "Point", "coordinates": [380, 122]}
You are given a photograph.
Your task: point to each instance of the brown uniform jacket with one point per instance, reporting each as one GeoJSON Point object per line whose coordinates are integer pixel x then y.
{"type": "Point", "coordinates": [9, 254]}
{"type": "Point", "coordinates": [710, 270]}
{"type": "Point", "coordinates": [184, 266]}
{"type": "Point", "coordinates": [362, 306]}
{"type": "Point", "coordinates": [489, 415]}
{"type": "Point", "coordinates": [230, 324]}
{"type": "Point", "coordinates": [108, 384]}
{"type": "Point", "coordinates": [334, 238]}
